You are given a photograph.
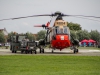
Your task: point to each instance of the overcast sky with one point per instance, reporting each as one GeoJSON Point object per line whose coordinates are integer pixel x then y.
{"type": "Point", "coordinates": [19, 8]}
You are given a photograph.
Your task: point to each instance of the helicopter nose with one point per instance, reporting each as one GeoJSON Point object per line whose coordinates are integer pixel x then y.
{"type": "Point", "coordinates": [61, 44]}
{"type": "Point", "coordinates": [62, 41]}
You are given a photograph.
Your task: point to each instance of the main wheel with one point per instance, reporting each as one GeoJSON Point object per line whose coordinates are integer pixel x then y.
{"type": "Point", "coordinates": [35, 52]}
{"type": "Point", "coordinates": [75, 50]}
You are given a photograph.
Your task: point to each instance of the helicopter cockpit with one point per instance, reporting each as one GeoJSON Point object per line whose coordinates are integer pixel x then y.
{"type": "Point", "coordinates": [63, 30]}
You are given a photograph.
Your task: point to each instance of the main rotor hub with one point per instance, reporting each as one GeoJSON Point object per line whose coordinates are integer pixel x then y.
{"type": "Point", "coordinates": [58, 13]}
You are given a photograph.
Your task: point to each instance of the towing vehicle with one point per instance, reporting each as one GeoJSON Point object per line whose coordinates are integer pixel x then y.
{"type": "Point", "coordinates": [22, 43]}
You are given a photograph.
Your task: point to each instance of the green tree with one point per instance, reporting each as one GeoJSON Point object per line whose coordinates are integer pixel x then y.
{"type": "Point", "coordinates": [74, 26]}
{"type": "Point", "coordinates": [2, 37]}
{"type": "Point", "coordinates": [41, 34]}
{"type": "Point", "coordinates": [83, 34]}
{"type": "Point", "coordinates": [95, 35]}
{"type": "Point", "coordinates": [73, 34]}
{"type": "Point", "coordinates": [80, 35]}
{"type": "Point", "coordinates": [10, 34]}
{"type": "Point", "coordinates": [30, 36]}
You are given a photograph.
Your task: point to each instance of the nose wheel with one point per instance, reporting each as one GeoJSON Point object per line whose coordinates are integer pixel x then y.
{"type": "Point", "coordinates": [75, 49]}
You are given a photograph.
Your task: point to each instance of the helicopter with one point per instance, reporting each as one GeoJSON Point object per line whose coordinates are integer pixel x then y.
{"type": "Point", "coordinates": [58, 35]}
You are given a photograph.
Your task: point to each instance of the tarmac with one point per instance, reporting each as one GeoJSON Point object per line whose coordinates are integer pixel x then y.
{"type": "Point", "coordinates": [82, 52]}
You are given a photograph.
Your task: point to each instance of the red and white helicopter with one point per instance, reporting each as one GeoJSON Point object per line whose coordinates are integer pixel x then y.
{"type": "Point", "coordinates": [58, 36]}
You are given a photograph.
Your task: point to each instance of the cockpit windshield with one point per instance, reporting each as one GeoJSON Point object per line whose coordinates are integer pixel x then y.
{"type": "Point", "coordinates": [63, 30]}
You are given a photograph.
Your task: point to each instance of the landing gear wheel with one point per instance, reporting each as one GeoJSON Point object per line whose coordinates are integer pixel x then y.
{"type": "Point", "coordinates": [75, 50]}
{"type": "Point", "coordinates": [35, 52]}
{"type": "Point", "coordinates": [41, 50]}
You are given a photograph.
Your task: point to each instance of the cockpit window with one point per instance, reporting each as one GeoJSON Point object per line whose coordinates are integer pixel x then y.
{"type": "Point", "coordinates": [61, 30]}
{"type": "Point", "coordinates": [58, 30]}
{"type": "Point", "coordinates": [65, 29]}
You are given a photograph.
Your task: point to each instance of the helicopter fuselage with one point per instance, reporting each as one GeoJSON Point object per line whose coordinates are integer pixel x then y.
{"type": "Point", "coordinates": [59, 37]}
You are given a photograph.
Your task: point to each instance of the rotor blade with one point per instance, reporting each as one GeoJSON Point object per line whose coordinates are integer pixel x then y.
{"type": "Point", "coordinates": [87, 18]}
{"type": "Point", "coordinates": [26, 17]}
{"type": "Point", "coordinates": [81, 16]}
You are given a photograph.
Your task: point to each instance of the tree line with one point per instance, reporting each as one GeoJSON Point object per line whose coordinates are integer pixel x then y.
{"type": "Point", "coordinates": [84, 34]}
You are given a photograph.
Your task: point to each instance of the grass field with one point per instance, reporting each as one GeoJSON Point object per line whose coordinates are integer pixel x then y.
{"type": "Point", "coordinates": [49, 65]}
